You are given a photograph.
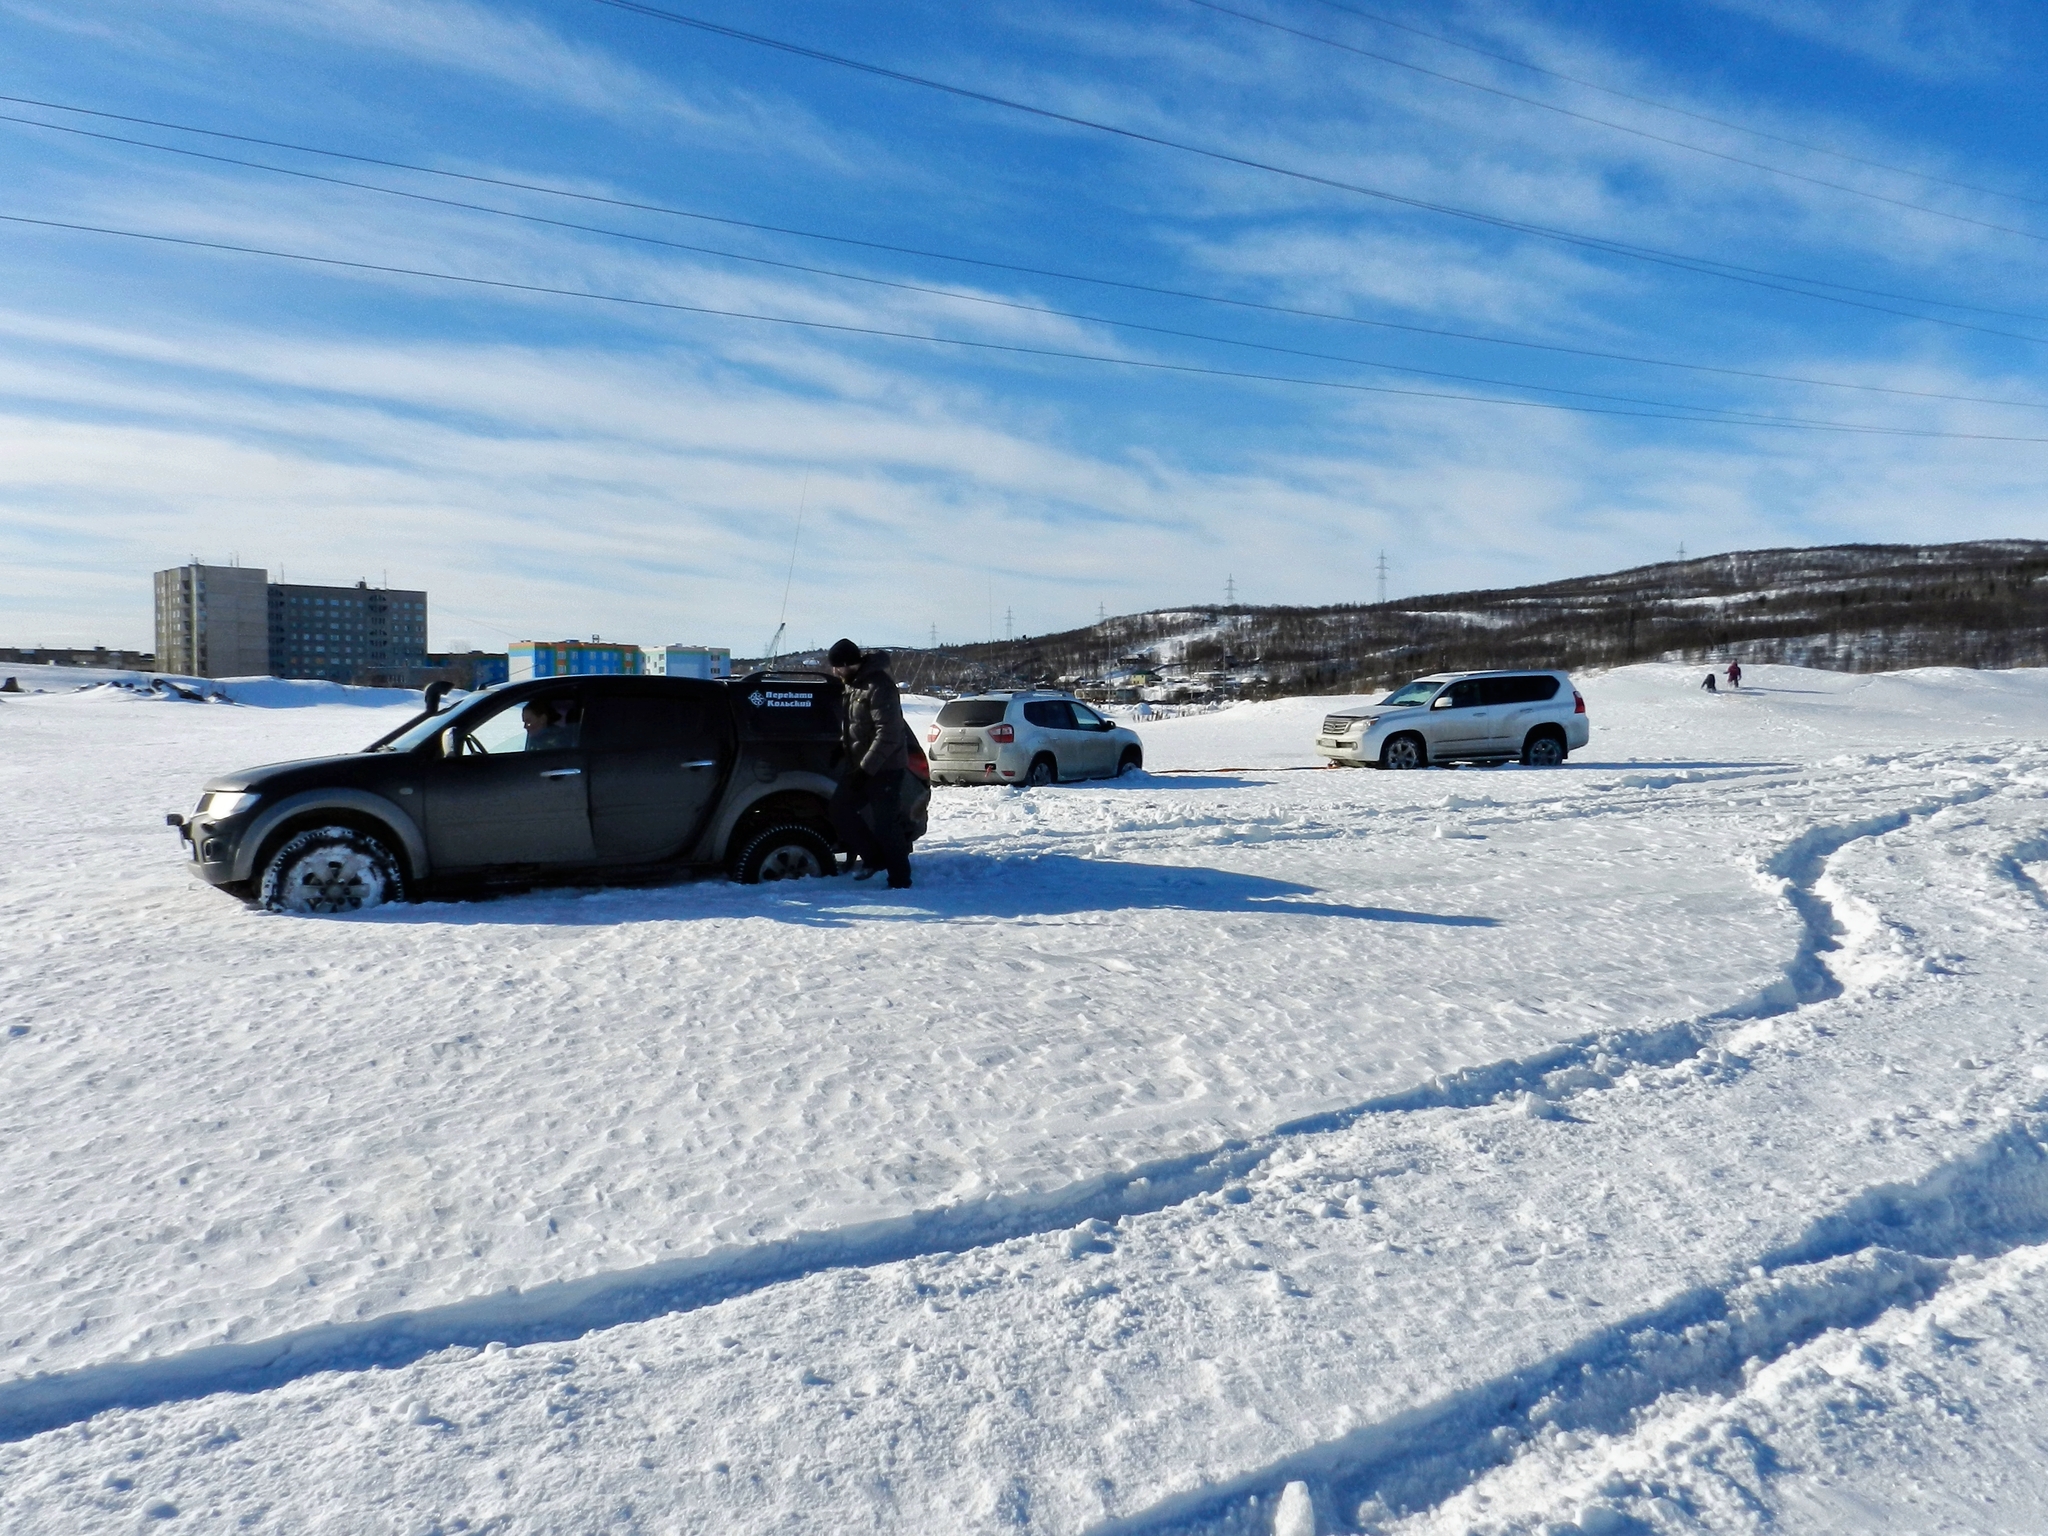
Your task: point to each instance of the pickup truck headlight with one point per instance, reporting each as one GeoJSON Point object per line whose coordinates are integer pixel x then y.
{"type": "Point", "coordinates": [223, 803]}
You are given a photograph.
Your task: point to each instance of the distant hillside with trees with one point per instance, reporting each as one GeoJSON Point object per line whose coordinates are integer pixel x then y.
{"type": "Point", "coordinates": [1851, 607]}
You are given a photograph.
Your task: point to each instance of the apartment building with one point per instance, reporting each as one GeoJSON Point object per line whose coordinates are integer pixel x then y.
{"type": "Point", "coordinates": [346, 634]}
{"type": "Point", "coordinates": [232, 621]}
{"type": "Point", "coordinates": [213, 621]}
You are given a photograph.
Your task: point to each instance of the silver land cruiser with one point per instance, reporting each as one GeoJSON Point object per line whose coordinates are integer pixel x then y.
{"type": "Point", "coordinates": [1538, 717]}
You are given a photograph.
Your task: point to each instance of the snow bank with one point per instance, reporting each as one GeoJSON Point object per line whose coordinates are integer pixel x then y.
{"type": "Point", "coordinates": [261, 692]}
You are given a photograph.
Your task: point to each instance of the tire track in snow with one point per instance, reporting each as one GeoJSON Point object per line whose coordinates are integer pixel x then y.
{"type": "Point", "coordinates": [569, 1309]}
{"type": "Point", "coordinates": [1889, 1246]}
{"type": "Point", "coordinates": [1895, 1245]}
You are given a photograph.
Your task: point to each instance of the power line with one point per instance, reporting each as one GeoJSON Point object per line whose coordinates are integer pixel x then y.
{"type": "Point", "coordinates": [1699, 414]}
{"type": "Point", "coordinates": [950, 293]}
{"type": "Point", "coordinates": [1665, 106]}
{"type": "Point", "coordinates": [983, 262]}
{"type": "Point", "coordinates": [1735, 272]}
{"type": "Point", "coordinates": [1602, 122]}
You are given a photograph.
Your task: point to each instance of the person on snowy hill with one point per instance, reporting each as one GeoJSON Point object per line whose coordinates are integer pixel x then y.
{"type": "Point", "coordinates": [1734, 674]}
{"type": "Point", "coordinates": [1709, 684]}
{"type": "Point", "coordinates": [877, 745]}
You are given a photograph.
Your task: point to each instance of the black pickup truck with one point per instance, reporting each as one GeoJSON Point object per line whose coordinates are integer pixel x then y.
{"type": "Point", "coordinates": [569, 778]}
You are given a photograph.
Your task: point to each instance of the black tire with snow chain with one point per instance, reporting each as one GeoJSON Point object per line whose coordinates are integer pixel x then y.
{"type": "Point", "coordinates": [790, 851]}
{"type": "Point", "coordinates": [329, 869]}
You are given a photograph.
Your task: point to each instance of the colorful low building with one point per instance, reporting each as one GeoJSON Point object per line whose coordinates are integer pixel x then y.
{"type": "Point", "coordinates": [708, 661]}
{"type": "Point", "coordinates": [526, 659]}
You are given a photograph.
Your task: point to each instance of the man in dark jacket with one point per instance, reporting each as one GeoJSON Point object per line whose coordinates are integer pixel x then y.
{"type": "Point", "coordinates": [877, 743]}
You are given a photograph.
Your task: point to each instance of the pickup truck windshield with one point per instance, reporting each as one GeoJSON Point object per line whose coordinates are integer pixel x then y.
{"type": "Point", "coordinates": [1412, 693]}
{"type": "Point", "coordinates": [418, 734]}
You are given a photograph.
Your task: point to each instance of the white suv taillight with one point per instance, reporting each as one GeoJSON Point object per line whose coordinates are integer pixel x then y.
{"type": "Point", "coordinates": [1002, 733]}
{"type": "Point", "coordinates": [1578, 702]}
{"type": "Point", "coordinates": [932, 734]}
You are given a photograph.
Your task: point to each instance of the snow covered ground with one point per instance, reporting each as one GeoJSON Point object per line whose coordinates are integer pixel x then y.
{"type": "Point", "coordinates": [1655, 1143]}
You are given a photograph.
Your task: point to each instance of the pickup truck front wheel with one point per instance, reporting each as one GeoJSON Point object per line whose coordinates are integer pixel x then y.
{"type": "Point", "coordinates": [787, 852]}
{"type": "Point", "coordinates": [329, 869]}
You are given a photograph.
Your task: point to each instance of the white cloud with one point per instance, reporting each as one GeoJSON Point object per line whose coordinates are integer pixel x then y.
{"type": "Point", "coordinates": [1935, 39]}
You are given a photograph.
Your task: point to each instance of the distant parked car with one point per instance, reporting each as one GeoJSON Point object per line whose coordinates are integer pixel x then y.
{"type": "Point", "coordinates": [1031, 737]}
{"type": "Point", "coordinates": [577, 778]}
{"type": "Point", "coordinates": [1538, 717]}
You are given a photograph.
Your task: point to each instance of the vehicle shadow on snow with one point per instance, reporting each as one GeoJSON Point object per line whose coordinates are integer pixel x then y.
{"type": "Point", "coordinates": [949, 886]}
{"type": "Point", "coordinates": [1667, 764]}
{"type": "Point", "coordinates": [1149, 778]}
{"type": "Point", "coordinates": [1173, 778]}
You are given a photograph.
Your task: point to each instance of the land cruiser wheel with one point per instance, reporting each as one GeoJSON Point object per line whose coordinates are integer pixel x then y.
{"type": "Point", "coordinates": [1543, 749]}
{"type": "Point", "coordinates": [1133, 762]}
{"type": "Point", "coordinates": [788, 852]}
{"type": "Point", "coordinates": [1403, 751]}
{"type": "Point", "coordinates": [329, 869]}
{"type": "Point", "coordinates": [1043, 770]}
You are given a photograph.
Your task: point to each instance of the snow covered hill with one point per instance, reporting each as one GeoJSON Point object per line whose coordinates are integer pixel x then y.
{"type": "Point", "coordinates": [1655, 1143]}
{"type": "Point", "coordinates": [1849, 607]}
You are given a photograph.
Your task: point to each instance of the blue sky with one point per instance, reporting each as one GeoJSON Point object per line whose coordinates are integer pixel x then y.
{"type": "Point", "coordinates": [548, 465]}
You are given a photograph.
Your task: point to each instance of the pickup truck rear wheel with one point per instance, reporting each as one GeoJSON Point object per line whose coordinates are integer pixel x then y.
{"type": "Point", "coordinates": [329, 869]}
{"type": "Point", "coordinates": [790, 851]}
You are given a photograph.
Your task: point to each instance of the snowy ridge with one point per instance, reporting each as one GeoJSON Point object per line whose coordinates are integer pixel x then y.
{"type": "Point", "coordinates": [570, 1309]}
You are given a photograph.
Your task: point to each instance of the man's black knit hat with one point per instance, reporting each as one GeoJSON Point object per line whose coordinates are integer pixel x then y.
{"type": "Point", "coordinates": [844, 653]}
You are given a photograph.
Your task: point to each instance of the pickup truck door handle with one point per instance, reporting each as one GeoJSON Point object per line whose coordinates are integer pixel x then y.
{"type": "Point", "coordinates": [703, 762]}
{"type": "Point", "coordinates": [561, 773]}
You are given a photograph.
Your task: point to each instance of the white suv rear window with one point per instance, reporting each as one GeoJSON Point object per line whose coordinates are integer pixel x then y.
{"type": "Point", "coordinates": [1517, 690]}
{"type": "Point", "coordinates": [973, 712]}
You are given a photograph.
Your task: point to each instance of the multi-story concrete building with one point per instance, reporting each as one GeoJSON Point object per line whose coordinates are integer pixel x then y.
{"type": "Point", "coordinates": [232, 621]}
{"type": "Point", "coordinates": [358, 634]}
{"type": "Point", "coordinates": [213, 621]}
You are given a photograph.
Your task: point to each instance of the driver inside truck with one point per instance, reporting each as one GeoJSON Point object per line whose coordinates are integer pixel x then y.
{"type": "Point", "coordinates": [549, 727]}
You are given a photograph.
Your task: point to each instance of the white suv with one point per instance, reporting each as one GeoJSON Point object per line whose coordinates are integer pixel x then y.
{"type": "Point", "coordinates": [1027, 738]}
{"type": "Point", "coordinates": [1491, 716]}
